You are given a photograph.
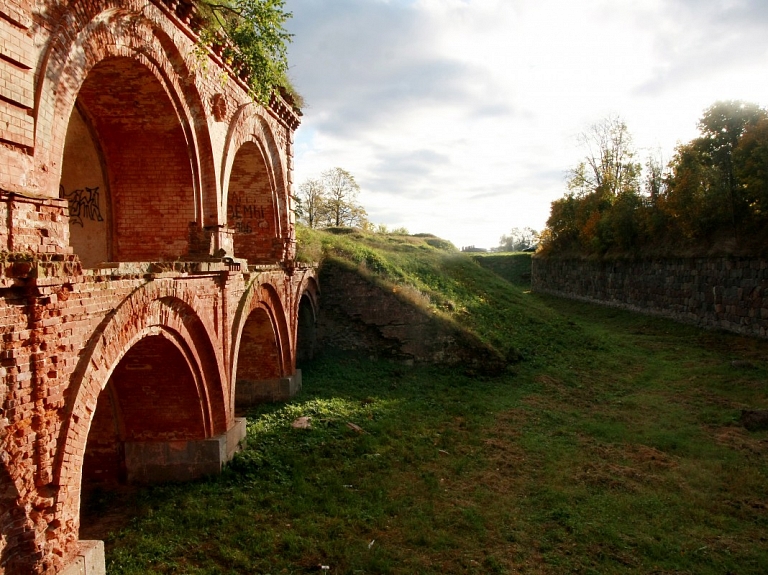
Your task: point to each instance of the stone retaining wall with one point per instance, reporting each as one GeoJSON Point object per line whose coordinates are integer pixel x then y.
{"type": "Point", "coordinates": [727, 293]}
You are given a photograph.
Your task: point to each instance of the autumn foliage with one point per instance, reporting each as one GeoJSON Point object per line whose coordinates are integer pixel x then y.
{"type": "Point", "coordinates": [711, 199]}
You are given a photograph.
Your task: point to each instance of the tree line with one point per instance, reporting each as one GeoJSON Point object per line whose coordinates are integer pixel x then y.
{"type": "Point", "coordinates": [712, 197]}
{"type": "Point", "coordinates": [331, 201]}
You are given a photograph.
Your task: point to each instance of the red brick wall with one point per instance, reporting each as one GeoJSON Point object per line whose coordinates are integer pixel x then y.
{"type": "Point", "coordinates": [258, 357]}
{"type": "Point", "coordinates": [156, 393]}
{"type": "Point", "coordinates": [17, 92]}
{"type": "Point", "coordinates": [104, 457]}
{"type": "Point", "coordinates": [72, 333]}
{"type": "Point", "coordinates": [33, 225]}
{"type": "Point", "coordinates": [149, 169]}
{"type": "Point", "coordinates": [251, 208]}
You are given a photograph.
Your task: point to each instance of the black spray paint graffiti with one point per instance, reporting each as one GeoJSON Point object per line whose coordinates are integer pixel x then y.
{"type": "Point", "coordinates": [239, 215]}
{"type": "Point", "coordinates": [83, 203]}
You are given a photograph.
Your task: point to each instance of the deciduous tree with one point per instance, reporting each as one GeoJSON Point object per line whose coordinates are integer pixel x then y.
{"type": "Point", "coordinates": [750, 164]}
{"type": "Point", "coordinates": [341, 191]}
{"type": "Point", "coordinates": [330, 200]}
{"type": "Point", "coordinates": [311, 202]}
{"type": "Point", "coordinates": [518, 239]}
{"type": "Point", "coordinates": [609, 167]}
{"type": "Point", "coordinates": [253, 37]}
{"type": "Point", "coordinates": [721, 127]}
{"type": "Point", "coordinates": [713, 196]}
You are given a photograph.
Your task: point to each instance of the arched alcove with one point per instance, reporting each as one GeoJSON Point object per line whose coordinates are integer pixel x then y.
{"type": "Point", "coordinates": [84, 185]}
{"type": "Point", "coordinates": [258, 362]}
{"type": "Point", "coordinates": [126, 170]}
{"type": "Point", "coordinates": [306, 331]}
{"type": "Point", "coordinates": [251, 209]}
{"type": "Point", "coordinates": [152, 396]}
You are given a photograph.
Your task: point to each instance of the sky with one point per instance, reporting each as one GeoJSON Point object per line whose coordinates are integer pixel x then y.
{"type": "Point", "coordinates": [461, 117]}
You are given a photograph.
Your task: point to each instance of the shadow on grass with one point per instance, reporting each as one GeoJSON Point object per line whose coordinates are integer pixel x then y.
{"type": "Point", "coordinates": [616, 451]}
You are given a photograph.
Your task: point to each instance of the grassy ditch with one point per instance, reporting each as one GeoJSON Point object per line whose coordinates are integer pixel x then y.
{"type": "Point", "coordinates": [515, 267]}
{"type": "Point", "coordinates": [612, 447]}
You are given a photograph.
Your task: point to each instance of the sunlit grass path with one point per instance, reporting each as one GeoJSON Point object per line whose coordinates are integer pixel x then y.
{"type": "Point", "coordinates": [613, 448]}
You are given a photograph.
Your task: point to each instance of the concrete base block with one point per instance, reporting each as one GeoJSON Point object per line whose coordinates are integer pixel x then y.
{"type": "Point", "coordinates": [249, 393]}
{"type": "Point", "coordinates": [235, 436]}
{"type": "Point", "coordinates": [158, 461]}
{"type": "Point", "coordinates": [89, 560]}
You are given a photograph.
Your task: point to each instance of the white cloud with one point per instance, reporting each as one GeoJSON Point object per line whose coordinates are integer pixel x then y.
{"type": "Point", "coordinates": [459, 117]}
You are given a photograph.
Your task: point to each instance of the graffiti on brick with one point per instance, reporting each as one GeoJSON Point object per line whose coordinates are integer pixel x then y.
{"type": "Point", "coordinates": [245, 217]}
{"type": "Point", "coordinates": [83, 204]}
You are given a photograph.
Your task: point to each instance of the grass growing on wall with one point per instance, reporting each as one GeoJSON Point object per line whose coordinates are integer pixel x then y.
{"type": "Point", "coordinates": [613, 447]}
{"type": "Point", "coordinates": [431, 273]}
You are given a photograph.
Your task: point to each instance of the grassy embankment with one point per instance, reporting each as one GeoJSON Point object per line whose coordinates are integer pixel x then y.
{"type": "Point", "coordinates": [611, 446]}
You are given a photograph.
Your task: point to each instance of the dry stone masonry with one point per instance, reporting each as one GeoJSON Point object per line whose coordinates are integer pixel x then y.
{"type": "Point", "coordinates": [147, 272]}
{"type": "Point", "coordinates": [726, 293]}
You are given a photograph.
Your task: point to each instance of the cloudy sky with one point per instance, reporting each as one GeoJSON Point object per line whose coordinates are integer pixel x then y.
{"type": "Point", "coordinates": [460, 117]}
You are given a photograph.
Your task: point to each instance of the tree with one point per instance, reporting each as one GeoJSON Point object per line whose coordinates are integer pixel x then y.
{"type": "Point", "coordinates": [604, 208]}
{"type": "Point", "coordinates": [609, 167]}
{"type": "Point", "coordinates": [330, 200]}
{"type": "Point", "coordinates": [562, 229]}
{"type": "Point", "coordinates": [518, 239]}
{"type": "Point", "coordinates": [654, 176]}
{"type": "Point", "coordinates": [750, 165]}
{"type": "Point", "coordinates": [341, 191]}
{"type": "Point", "coordinates": [711, 196]}
{"type": "Point", "coordinates": [721, 127]}
{"type": "Point", "coordinates": [250, 37]}
{"type": "Point", "coordinates": [311, 202]}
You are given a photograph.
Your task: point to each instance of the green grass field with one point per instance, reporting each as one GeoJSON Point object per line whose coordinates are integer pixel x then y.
{"type": "Point", "coordinates": [612, 446]}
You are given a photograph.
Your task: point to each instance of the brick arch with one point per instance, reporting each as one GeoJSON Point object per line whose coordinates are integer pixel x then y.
{"type": "Point", "coordinates": [154, 393]}
{"type": "Point", "coordinates": [252, 210]}
{"type": "Point", "coordinates": [262, 297]}
{"type": "Point", "coordinates": [150, 311]}
{"type": "Point", "coordinates": [310, 288]}
{"type": "Point", "coordinates": [248, 125]}
{"type": "Point", "coordinates": [305, 329]}
{"type": "Point", "coordinates": [91, 32]}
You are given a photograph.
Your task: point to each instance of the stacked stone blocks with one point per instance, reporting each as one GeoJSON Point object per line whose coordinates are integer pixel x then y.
{"type": "Point", "coordinates": [728, 293]}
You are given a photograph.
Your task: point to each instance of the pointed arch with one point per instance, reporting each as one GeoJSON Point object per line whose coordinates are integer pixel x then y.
{"type": "Point", "coordinates": [160, 311]}
{"type": "Point", "coordinates": [89, 33]}
{"type": "Point", "coordinates": [249, 125]}
{"type": "Point", "coordinates": [261, 301]}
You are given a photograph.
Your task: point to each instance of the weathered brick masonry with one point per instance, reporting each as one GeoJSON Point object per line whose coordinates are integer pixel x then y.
{"type": "Point", "coordinates": [725, 293]}
{"type": "Point", "coordinates": [147, 270]}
